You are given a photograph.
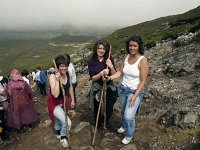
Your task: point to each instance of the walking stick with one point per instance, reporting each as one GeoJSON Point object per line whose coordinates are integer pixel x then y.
{"type": "Point", "coordinates": [64, 96]}
{"type": "Point", "coordinates": [104, 88]}
{"type": "Point", "coordinates": [105, 94]}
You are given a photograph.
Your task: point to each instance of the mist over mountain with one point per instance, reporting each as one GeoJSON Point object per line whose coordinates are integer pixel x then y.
{"type": "Point", "coordinates": [68, 28]}
{"type": "Point", "coordinates": [88, 16]}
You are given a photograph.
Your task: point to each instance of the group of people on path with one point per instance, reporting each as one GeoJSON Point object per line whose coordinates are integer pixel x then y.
{"type": "Point", "coordinates": [102, 71]}
{"type": "Point", "coordinates": [16, 92]}
{"type": "Point", "coordinates": [134, 70]}
{"type": "Point", "coordinates": [16, 103]}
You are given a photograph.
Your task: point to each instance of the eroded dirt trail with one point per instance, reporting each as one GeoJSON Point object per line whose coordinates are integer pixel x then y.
{"type": "Point", "coordinates": [149, 133]}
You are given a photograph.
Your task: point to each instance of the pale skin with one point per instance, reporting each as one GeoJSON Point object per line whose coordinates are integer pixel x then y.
{"type": "Point", "coordinates": [54, 82]}
{"type": "Point", "coordinates": [143, 67]}
{"type": "Point", "coordinates": [100, 53]}
{"type": "Point", "coordinates": [4, 91]}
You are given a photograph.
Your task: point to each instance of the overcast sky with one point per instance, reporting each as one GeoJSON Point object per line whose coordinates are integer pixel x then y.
{"type": "Point", "coordinates": [35, 14]}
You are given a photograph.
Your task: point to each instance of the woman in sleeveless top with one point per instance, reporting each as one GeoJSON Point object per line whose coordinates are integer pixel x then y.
{"type": "Point", "coordinates": [134, 69]}
{"type": "Point", "coordinates": [56, 99]}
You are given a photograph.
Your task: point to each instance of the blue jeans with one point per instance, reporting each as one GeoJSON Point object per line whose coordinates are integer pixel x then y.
{"type": "Point", "coordinates": [60, 121]}
{"type": "Point", "coordinates": [127, 112]}
{"type": "Point", "coordinates": [42, 88]}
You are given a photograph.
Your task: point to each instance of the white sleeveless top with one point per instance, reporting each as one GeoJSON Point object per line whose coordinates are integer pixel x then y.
{"type": "Point", "coordinates": [131, 72]}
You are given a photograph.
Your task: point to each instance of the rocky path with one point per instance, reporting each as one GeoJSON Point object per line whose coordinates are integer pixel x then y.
{"type": "Point", "coordinates": [42, 135]}
{"type": "Point", "coordinates": [149, 135]}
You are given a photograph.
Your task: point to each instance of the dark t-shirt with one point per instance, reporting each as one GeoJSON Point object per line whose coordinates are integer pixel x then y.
{"type": "Point", "coordinates": [66, 88]}
{"type": "Point", "coordinates": [96, 66]}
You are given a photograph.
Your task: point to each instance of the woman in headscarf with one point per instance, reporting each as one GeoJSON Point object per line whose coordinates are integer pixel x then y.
{"type": "Point", "coordinates": [21, 110]}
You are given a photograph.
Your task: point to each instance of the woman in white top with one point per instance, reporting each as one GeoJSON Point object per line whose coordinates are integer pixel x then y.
{"type": "Point", "coordinates": [24, 74]}
{"type": "Point", "coordinates": [134, 69]}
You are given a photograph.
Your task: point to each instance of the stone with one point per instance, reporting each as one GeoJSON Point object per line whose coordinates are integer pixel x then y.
{"type": "Point", "coordinates": [80, 126]}
{"type": "Point", "coordinates": [129, 147]}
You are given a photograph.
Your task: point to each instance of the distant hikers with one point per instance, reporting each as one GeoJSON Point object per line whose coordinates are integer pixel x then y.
{"type": "Point", "coordinates": [51, 71]}
{"type": "Point", "coordinates": [33, 74]}
{"type": "Point", "coordinates": [24, 74]}
{"type": "Point", "coordinates": [134, 69]}
{"type": "Point", "coordinates": [21, 110]}
{"type": "Point", "coordinates": [3, 107]}
{"type": "Point", "coordinates": [97, 65]}
{"type": "Point", "coordinates": [56, 99]}
{"type": "Point", "coordinates": [41, 80]}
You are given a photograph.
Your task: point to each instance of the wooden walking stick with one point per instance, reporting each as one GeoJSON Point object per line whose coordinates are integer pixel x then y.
{"type": "Point", "coordinates": [97, 119]}
{"type": "Point", "coordinates": [104, 88]}
{"type": "Point", "coordinates": [105, 93]}
{"type": "Point", "coordinates": [64, 96]}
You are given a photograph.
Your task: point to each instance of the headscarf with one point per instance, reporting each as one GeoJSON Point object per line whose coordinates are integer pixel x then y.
{"type": "Point", "coordinates": [15, 75]}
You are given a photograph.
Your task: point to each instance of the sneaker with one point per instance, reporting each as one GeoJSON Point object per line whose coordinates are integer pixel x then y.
{"type": "Point", "coordinates": [125, 141]}
{"type": "Point", "coordinates": [58, 136]}
{"type": "Point", "coordinates": [121, 130]}
{"type": "Point", "coordinates": [64, 143]}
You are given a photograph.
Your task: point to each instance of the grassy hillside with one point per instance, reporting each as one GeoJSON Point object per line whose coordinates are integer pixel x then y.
{"type": "Point", "coordinates": [27, 54]}
{"type": "Point", "coordinates": [28, 49]}
{"type": "Point", "coordinates": [66, 38]}
{"type": "Point", "coordinates": [159, 29]}
{"type": "Point", "coordinates": [29, 35]}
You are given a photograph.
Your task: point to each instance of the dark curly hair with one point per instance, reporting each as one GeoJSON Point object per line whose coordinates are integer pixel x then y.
{"type": "Point", "coordinates": [138, 39]}
{"type": "Point", "coordinates": [106, 47]}
{"type": "Point", "coordinates": [60, 59]}
{"type": "Point", "coordinates": [67, 56]}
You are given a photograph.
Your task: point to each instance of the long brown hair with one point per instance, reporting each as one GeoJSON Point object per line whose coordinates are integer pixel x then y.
{"type": "Point", "coordinates": [106, 47]}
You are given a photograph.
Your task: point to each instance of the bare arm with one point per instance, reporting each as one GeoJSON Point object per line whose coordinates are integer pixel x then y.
{"type": "Point", "coordinates": [111, 66]}
{"type": "Point", "coordinates": [119, 72]}
{"type": "Point", "coordinates": [99, 75]}
{"type": "Point", "coordinates": [34, 84]}
{"type": "Point", "coordinates": [144, 70]}
{"type": "Point", "coordinates": [54, 85]}
{"type": "Point", "coordinates": [3, 91]}
{"type": "Point", "coordinates": [71, 93]}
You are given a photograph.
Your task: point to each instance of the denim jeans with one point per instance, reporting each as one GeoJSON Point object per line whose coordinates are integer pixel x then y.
{"type": "Point", "coordinates": [128, 113]}
{"type": "Point", "coordinates": [42, 88]}
{"type": "Point", "coordinates": [60, 121]}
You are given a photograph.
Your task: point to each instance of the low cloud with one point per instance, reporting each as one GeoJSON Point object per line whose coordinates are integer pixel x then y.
{"type": "Point", "coordinates": [54, 14]}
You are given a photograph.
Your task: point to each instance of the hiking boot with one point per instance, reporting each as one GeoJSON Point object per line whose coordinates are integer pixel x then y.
{"type": "Point", "coordinates": [64, 143]}
{"type": "Point", "coordinates": [125, 141]}
{"type": "Point", "coordinates": [121, 130]}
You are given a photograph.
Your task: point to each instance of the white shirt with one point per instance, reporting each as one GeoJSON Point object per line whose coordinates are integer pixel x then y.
{"type": "Point", "coordinates": [33, 75]}
{"type": "Point", "coordinates": [37, 75]}
{"type": "Point", "coordinates": [72, 73]}
{"type": "Point", "coordinates": [131, 72]}
{"type": "Point", "coordinates": [2, 90]}
{"type": "Point", "coordinates": [25, 79]}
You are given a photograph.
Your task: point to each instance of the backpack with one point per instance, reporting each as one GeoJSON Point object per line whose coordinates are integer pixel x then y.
{"type": "Point", "coordinates": [43, 77]}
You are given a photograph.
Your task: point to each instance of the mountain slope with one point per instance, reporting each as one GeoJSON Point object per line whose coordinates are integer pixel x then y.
{"type": "Point", "coordinates": [159, 29]}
